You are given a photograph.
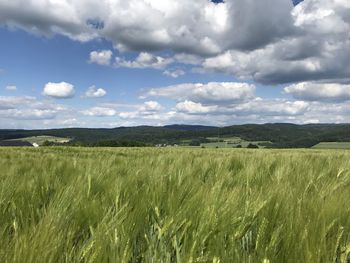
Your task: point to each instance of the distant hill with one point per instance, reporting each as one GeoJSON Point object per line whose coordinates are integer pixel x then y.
{"type": "Point", "coordinates": [281, 135]}
{"type": "Point", "coordinates": [190, 127]}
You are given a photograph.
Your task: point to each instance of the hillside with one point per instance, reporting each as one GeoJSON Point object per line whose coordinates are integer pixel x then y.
{"type": "Point", "coordinates": [280, 135]}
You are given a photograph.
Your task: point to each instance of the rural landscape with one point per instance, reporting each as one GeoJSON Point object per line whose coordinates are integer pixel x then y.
{"type": "Point", "coordinates": [175, 131]}
{"type": "Point", "coordinates": [277, 135]}
{"type": "Point", "coordinates": [156, 202]}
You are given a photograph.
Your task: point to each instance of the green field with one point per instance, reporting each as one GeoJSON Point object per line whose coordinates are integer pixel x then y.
{"type": "Point", "coordinates": [174, 205]}
{"type": "Point", "coordinates": [231, 142]}
{"type": "Point", "coordinates": [332, 145]}
{"type": "Point", "coordinates": [41, 139]}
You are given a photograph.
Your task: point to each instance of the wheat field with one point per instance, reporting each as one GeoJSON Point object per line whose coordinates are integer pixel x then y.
{"type": "Point", "coordinates": [174, 205]}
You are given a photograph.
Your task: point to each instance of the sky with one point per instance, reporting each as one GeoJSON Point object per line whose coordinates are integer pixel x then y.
{"type": "Point", "coordinates": [111, 63]}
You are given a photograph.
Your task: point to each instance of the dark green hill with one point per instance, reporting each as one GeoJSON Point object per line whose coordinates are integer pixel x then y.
{"type": "Point", "coordinates": [281, 135]}
{"type": "Point", "coordinates": [180, 127]}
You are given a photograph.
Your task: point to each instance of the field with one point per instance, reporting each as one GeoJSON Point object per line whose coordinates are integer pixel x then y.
{"type": "Point", "coordinates": [226, 142]}
{"type": "Point", "coordinates": [232, 142]}
{"type": "Point", "coordinates": [332, 145]}
{"type": "Point", "coordinates": [174, 205]}
{"type": "Point", "coordinates": [41, 139]}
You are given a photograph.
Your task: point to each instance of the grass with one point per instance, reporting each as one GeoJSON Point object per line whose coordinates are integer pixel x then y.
{"type": "Point", "coordinates": [41, 139]}
{"type": "Point", "coordinates": [174, 205]}
{"type": "Point", "coordinates": [332, 145]}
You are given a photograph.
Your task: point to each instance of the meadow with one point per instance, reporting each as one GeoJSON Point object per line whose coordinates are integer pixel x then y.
{"type": "Point", "coordinates": [232, 142]}
{"type": "Point", "coordinates": [61, 204]}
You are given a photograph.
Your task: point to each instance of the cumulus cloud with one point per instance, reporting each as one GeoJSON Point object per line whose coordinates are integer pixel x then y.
{"type": "Point", "coordinates": [257, 106]}
{"type": "Point", "coordinates": [151, 106]}
{"type": "Point", "coordinates": [148, 110]}
{"type": "Point", "coordinates": [28, 114]}
{"type": "Point", "coordinates": [256, 110]}
{"type": "Point", "coordinates": [250, 28]}
{"type": "Point", "coordinates": [100, 112]}
{"type": "Point", "coordinates": [199, 27]}
{"type": "Point", "coordinates": [174, 73]}
{"type": "Point", "coordinates": [188, 59]}
{"type": "Point", "coordinates": [144, 60]}
{"type": "Point", "coordinates": [282, 44]}
{"type": "Point", "coordinates": [94, 92]}
{"type": "Point", "coordinates": [317, 48]}
{"type": "Point", "coordinates": [28, 108]}
{"type": "Point", "coordinates": [310, 91]}
{"type": "Point", "coordinates": [62, 90]}
{"type": "Point", "coordinates": [13, 102]}
{"type": "Point", "coordinates": [213, 92]}
{"type": "Point", "coordinates": [263, 66]}
{"type": "Point", "coordinates": [20, 111]}
{"type": "Point", "coordinates": [102, 57]}
{"type": "Point", "coordinates": [194, 108]}
{"type": "Point", "coordinates": [308, 43]}
{"type": "Point", "coordinates": [11, 88]}
{"type": "Point", "coordinates": [271, 107]}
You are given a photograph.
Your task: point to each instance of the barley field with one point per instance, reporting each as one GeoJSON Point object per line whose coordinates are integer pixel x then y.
{"type": "Point", "coordinates": [174, 205]}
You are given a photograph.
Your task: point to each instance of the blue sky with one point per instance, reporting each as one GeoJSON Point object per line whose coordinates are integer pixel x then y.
{"type": "Point", "coordinates": [193, 63]}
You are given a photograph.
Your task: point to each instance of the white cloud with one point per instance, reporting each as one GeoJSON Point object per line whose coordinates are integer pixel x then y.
{"type": "Point", "coordinates": [310, 91]}
{"type": "Point", "coordinates": [263, 66]}
{"type": "Point", "coordinates": [174, 73]}
{"type": "Point", "coordinates": [100, 112]}
{"type": "Point", "coordinates": [148, 110]}
{"type": "Point", "coordinates": [11, 88]}
{"type": "Point", "coordinates": [28, 114]}
{"type": "Point", "coordinates": [151, 106]}
{"type": "Point", "coordinates": [284, 44]}
{"type": "Point", "coordinates": [168, 25]}
{"type": "Point", "coordinates": [62, 90]}
{"type": "Point", "coordinates": [144, 60]}
{"type": "Point", "coordinates": [72, 122]}
{"type": "Point", "coordinates": [256, 106]}
{"type": "Point", "coordinates": [213, 92]}
{"type": "Point", "coordinates": [256, 110]}
{"type": "Point", "coordinates": [280, 45]}
{"type": "Point", "coordinates": [317, 48]}
{"type": "Point", "coordinates": [196, 27]}
{"type": "Point", "coordinates": [189, 59]}
{"type": "Point", "coordinates": [102, 57]}
{"type": "Point", "coordinates": [29, 108]}
{"type": "Point", "coordinates": [271, 107]}
{"type": "Point", "coordinates": [194, 108]}
{"type": "Point", "coordinates": [94, 92]}
{"type": "Point", "coordinates": [13, 102]}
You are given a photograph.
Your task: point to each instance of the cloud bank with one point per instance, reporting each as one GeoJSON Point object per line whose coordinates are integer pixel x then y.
{"type": "Point", "coordinates": [305, 49]}
{"type": "Point", "coordinates": [281, 44]}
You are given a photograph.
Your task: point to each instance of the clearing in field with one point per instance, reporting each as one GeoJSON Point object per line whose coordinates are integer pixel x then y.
{"type": "Point", "coordinates": [174, 205]}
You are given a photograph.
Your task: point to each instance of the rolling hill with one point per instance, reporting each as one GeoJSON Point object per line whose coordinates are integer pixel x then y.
{"type": "Point", "coordinates": [280, 135]}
